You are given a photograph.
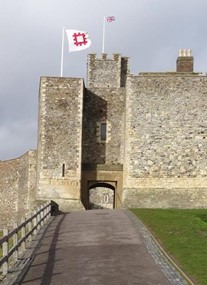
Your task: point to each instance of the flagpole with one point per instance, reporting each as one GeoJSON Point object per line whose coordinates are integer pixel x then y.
{"type": "Point", "coordinates": [62, 52]}
{"type": "Point", "coordinates": [104, 23]}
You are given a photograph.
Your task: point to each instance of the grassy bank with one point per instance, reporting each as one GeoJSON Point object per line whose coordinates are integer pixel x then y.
{"type": "Point", "coordinates": [183, 234]}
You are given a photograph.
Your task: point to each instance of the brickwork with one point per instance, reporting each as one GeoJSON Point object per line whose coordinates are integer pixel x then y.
{"type": "Point", "coordinates": [184, 61]}
{"type": "Point", "coordinates": [185, 64]}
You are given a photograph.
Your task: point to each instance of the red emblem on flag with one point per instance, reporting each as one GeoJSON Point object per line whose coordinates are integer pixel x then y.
{"type": "Point", "coordinates": [79, 39]}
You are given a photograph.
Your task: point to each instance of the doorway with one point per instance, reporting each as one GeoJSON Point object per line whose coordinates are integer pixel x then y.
{"type": "Point", "coordinates": [101, 196]}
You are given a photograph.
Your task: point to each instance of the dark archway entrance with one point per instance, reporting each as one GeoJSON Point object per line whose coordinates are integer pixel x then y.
{"type": "Point", "coordinates": [101, 196]}
{"type": "Point", "coordinates": [106, 178]}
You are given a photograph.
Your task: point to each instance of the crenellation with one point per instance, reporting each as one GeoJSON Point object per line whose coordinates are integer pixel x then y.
{"type": "Point", "coordinates": [104, 56]}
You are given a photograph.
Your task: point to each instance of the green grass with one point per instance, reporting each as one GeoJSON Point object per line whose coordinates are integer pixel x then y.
{"type": "Point", "coordinates": [183, 234]}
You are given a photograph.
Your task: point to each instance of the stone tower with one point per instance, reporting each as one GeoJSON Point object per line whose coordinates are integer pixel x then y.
{"type": "Point", "coordinates": [60, 141]}
{"type": "Point", "coordinates": [75, 138]}
{"type": "Point", "coordinates": [103, 125]}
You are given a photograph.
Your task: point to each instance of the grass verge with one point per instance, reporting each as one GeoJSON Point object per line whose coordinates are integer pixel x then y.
{"type": "Point", "coordinates": [183, 234]}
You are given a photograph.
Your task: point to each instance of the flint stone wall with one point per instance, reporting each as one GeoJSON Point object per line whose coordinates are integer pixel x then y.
{"type": "Point", "coordinates": [166, 137]}
{"type": "Point", "coordinates": [104, 105]}
{"type": "Point", "coordinates": [17, 188]}
{"type": "Point", "coordinates": [60, 139]}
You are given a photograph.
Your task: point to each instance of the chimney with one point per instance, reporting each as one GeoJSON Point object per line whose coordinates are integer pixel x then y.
{"type": "Point", "coordinates": [185, 61]}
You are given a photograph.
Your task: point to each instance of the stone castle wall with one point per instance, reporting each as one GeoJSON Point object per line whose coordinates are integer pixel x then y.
{"type": "Point", "coordinates": [104, 101]}
{"type": "Point", "coordinates": [154, 153]}
{"type": "Point", "coordinates": [103, 105]}
{"type": "Point", "coordinates": [17, 184]}
{"type": "Point", "coordinates": [27, 184]}
{"type": "Point", "coordinates": [60, 140]}
{"type": "Point", "coordinates": [166, 140]}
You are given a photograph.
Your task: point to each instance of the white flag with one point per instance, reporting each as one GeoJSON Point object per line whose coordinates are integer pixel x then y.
{"type": "Point", "coordinates": [77, 40]}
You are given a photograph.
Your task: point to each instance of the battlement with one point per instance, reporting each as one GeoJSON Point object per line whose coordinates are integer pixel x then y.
{"type": "Point", "coordinates": [104, 56]}
{"type": "Point", "coordinates": [107, 72]}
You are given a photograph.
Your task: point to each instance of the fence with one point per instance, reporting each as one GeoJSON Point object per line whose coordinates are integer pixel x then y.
{"type": "Point", "coordinates": [14, 242]}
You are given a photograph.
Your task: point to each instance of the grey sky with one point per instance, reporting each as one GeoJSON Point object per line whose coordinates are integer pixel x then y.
{"type": "Point", "coordinates": [149, 32]}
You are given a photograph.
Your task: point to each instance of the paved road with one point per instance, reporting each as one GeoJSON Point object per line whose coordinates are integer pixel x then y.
{"type": "Point", "coordinates": [97, 247]}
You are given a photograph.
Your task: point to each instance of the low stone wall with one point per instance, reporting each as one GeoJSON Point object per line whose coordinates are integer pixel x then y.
{"type": "Point", "coordinates": [9, 177]}
{"type": "Point", "coordinates": [166, 193]}
{"type": "Point", "coordinates": [17, 188]}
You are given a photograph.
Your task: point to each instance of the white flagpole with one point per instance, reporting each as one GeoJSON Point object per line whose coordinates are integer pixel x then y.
{"type": "Point", "coordinates": [62, 52]}
{"type": "Point", "coordinates": [104, 23]}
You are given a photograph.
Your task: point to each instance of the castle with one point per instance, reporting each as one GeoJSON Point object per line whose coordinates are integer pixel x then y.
{"type": "Point", "coordinates": [123, 141]}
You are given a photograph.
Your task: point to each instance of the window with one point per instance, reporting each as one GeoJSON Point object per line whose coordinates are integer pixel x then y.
{"type": "Point", "coordinates": [63, 170]}
{"type": "Point", "coordinates": [103, 129]}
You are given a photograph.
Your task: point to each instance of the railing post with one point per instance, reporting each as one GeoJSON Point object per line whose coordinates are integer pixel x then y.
{"type": "Point", "coordinates": [45, 213]}
{"type": "Point", "coordinates": [35, 222]}
{"type": "Point", "coordinates": [23, 232]}
{"type": "Point", "coordinates": [42, 215]}
{"type": "Point", "coordinates": [49, 210]}
{"type": "Point", "coordinates": [38, 218]}
{"type": "Point", "coordinates": [30, 227]}
{"type": "Point", "coordinates": [5, 252]}
{"type": "Point", "coordinates": [15, 241]}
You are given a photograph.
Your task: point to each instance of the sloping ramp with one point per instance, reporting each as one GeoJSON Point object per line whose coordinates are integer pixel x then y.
{"type": "Point", "coordinates": [94, 247]}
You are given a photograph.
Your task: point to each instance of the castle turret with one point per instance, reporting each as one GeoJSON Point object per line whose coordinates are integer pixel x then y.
{"type": "Point", "coordinates": [185, 61]}
{"type": "Point", "coordinates": [104, 72]}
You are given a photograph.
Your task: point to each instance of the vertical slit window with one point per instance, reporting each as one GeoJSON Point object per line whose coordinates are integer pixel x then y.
{"type": "Point", "coordinates": [63, 170]}
{"type": "Point", "coordinates": [103, 131]}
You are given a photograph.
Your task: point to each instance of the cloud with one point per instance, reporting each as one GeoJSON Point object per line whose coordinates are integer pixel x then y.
{"type": "Point", "coordinates": [15, 135]}
{"type": "Point", "coordinates": [150, 32]}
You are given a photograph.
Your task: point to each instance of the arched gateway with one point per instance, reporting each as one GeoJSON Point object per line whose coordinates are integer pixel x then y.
{"type": "Point", "coordinates": [101, 196]}
{"type": "Point", "coordinates": [101, 189]}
